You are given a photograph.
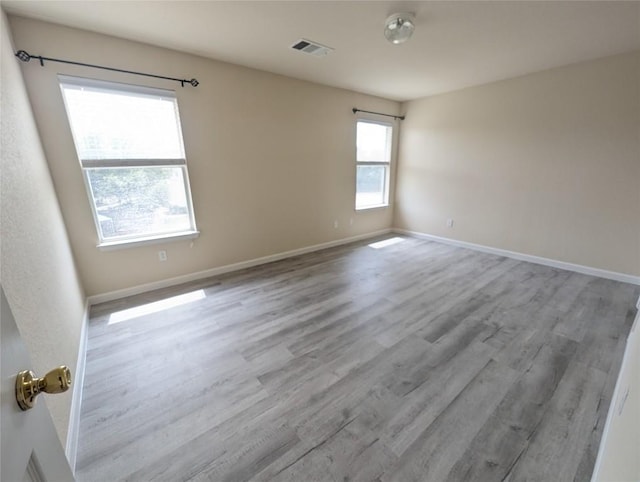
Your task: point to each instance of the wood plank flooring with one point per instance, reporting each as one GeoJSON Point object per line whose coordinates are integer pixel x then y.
{"type": "Point", "coordinates": [417, 361]}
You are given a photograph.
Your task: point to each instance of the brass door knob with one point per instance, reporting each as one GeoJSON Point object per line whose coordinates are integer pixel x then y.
{"type": "Point", "coordinates": [28, 386]}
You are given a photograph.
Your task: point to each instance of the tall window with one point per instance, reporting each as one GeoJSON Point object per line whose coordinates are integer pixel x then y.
{"type": "Point", "coordinates": [373, 160]}
{"type": "Point", "coordinates": [129, 144]}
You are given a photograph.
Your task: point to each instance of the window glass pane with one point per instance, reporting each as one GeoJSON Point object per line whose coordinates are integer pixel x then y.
{"type": "Point", "coordinates": [373, 142]}
{"type": "Point", "coordinates": [370, 186]}
{"type": "Point", "coordinates": [121, 125]}
{"type": "Point", "coordinates": [139, 201]}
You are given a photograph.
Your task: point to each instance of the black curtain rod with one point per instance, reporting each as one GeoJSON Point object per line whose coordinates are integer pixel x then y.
{"type": "Point", "coordinates": [25, 57]}
{"type": "Point", "coordinates": [401, 117]}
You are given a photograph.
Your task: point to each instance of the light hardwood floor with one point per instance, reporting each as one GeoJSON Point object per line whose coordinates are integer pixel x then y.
{"type": "Point", "coordinates": [414, 362]}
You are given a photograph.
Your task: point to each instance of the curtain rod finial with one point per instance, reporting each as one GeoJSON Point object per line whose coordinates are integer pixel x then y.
{"type": "Point", "coordinates": [22, 55]}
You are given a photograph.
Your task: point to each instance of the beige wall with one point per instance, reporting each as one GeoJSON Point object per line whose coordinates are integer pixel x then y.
{"type": "Point", "coordinates": [547, 164]}
{"type": "Point", "coordinates": [38, 270]}
{"type": "Point", "coordinates": [271, 159]}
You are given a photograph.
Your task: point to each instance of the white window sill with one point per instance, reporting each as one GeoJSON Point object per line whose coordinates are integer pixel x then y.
{"type": "Point", "coordinates": [137, 242]}
{"type": "Point", "coordinates": [376, 206]}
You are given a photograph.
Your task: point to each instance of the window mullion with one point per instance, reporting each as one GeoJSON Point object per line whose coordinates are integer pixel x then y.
{"type": "Point", "coordinates": [93, 163]}
{"type": "Point", "coordinates": [372, 163]}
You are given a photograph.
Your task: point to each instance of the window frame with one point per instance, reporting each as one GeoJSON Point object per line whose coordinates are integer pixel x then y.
{"type": "Point", "coordinates": [374, 119]}
{"type": "Point", "coordinates": [86, 165]}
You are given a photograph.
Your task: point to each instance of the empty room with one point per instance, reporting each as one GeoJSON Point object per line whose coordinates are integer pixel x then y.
{"type": "Point", "coordinates": [320, 241]}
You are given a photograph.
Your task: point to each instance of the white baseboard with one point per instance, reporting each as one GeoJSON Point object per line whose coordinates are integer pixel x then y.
{"type": "Point", "coordinates": [73, 432]}
{"type": "Point", "coordinates": [578, 268]}
{"type": "Point", "coordinates": [134, 290]}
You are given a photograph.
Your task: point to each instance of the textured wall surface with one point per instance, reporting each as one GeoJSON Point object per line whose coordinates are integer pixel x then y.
{"type": "Point", "coordinates": [271, 159]}
{"type": "Point", "coordinates": [547, 164]}
{"type": "Point", "coordinates": [37, 267]}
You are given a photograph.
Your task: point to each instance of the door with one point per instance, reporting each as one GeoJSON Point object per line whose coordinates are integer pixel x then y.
{"type": "Point", "coordinates": [30, 450]}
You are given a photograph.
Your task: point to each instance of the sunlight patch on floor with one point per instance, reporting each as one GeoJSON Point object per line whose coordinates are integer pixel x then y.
{"type": "Point", "coordinates": [386, 242]}
{"type": "Point", "coordinates": [156, 306]}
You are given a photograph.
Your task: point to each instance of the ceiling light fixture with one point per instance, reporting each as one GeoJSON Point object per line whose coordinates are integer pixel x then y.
{"type": "Point", "coordinates": [399, 27]}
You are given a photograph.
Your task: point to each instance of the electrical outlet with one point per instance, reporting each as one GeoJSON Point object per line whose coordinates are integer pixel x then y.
{"type": "Point", "coordinates": [162, 255]}
{"type": "Point", "coordinates": [449, 223]}
{"type": "Point", "coordinates": [335, 224]}
{"type": "Point", "coordinates": [350, 221]}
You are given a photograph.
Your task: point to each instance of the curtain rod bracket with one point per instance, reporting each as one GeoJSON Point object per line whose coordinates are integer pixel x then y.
{"type": "Point", "coordinates": [26, 57]}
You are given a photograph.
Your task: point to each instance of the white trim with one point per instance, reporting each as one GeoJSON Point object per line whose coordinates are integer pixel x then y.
{"type": "Point", "coordinates": [392, 156]}
{"type": "Point", "coordinates": [136, 242]}
{"type": "Point", "coordinates": [108, 86]}
{"type": "Point", "coordinates": [83, 84]}
{"type": "Point", "coordinates": [578, 268]}
{"type": "Point", "coordinates": [73, 431]}
{"type": "Point", "coordinates": [617, 393]}
{"type": "Point", "coordinates": [374, 206]}
{"type": "Point", "coordinates": [134, 290]}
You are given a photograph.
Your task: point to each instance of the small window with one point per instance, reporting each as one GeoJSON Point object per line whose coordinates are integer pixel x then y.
{"type": "Point", "coordinates": [130, 147]}
{"type": "Point", "coordinates": [373, 159]}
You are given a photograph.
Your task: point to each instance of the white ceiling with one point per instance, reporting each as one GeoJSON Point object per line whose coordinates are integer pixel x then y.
{"type": "Point", "coordinates": [455, 45]}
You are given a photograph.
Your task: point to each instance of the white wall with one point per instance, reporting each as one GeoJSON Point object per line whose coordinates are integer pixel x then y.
{"type": "Point", "coordinates": [547, 164]}
{"type": "Point", "coordinates": [271, 159]}
{"type": "Point", "coordinates": [619, 457]}
{"type": "Point", "coordinates": [38, 271]}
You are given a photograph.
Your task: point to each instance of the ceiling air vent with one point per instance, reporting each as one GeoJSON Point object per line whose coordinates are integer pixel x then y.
{"type": "Point", "coordinates": [311, 48]}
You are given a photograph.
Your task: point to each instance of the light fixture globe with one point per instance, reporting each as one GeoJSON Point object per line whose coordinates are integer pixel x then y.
{"type": "Point", "coordinates": [399, 27]}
